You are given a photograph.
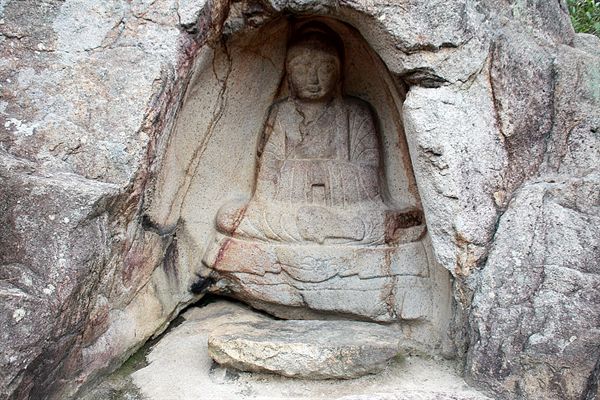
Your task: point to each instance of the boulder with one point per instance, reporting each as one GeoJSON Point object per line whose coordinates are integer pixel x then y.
{"type": "Point", "coordinates": [541, 279]}
{"type": "Point", "coordinates": [87, 88]}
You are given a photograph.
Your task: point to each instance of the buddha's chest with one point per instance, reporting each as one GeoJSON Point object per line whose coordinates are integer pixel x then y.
{"type": "Point", "coordinates": [323, 139]}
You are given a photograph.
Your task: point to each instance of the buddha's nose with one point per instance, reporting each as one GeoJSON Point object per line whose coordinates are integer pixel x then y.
{"type": "Point", "coordinates": [313, 77]}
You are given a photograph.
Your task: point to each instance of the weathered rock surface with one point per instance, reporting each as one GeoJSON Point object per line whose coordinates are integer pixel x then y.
{"type": "Point", "coordinates": [541, 280]}
{"type": "Point", "coordinates": [115, 157]}
{"type": "Point", "coordinates": [547, 298]}
{"type": "Point", "coordinates": [87, 89]}
{"type": "Point", "coordinates": [53, 236]}
{"type": "Point", "coordinates": [306, 349]}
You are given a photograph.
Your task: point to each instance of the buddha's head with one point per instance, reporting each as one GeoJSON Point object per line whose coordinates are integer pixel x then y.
{"type": "Point", "coordinates": [314, 64]}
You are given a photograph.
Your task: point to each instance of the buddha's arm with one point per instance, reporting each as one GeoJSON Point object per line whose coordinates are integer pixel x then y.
{"type": "Point", "coordinates": [364, 147]}
{"type": "Point", "coordinates": [271, 155]}
{"type": "Point", "coordinates": [364, 150]}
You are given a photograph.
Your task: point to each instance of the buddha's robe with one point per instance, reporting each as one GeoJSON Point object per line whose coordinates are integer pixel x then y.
{"type": "Point", "coordinates": [317, 182]}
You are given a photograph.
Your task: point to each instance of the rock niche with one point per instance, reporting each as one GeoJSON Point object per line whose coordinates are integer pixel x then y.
{"type": "Point", "coordinates": [304, 202]}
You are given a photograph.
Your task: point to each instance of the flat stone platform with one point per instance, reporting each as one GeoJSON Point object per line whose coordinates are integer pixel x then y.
{"type": "Point", "coordinates": [305, 349]}
{"type": "Point", "coordinates": [178, 367]}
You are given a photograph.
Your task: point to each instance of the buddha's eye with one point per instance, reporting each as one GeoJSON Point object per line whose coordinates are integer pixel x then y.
{"type": "Point", "coordinates": [328, 68]}
{"type": "Point", "coordinates": [298, 64]}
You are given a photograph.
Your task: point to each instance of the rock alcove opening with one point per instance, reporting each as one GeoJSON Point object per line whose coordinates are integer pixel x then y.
{"type": "Point", "coordinates": [364, 253]}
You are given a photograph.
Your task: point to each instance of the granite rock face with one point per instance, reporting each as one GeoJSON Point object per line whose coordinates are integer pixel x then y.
{"type": "Point", "coordinates": [125, 126]}
{"type": "Point", "coordinates": [305, 349]}
{"type": "Point", "coordinates": [87, 89]}
{"type": "Point", "coordinates": [541, 278]}
{"type": "Point", "coordinates": [54, 241]}
{"type": "Point", "coordinates": [535, 252]}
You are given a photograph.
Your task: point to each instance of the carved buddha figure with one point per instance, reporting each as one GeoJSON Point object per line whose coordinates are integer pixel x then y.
{"type": "Point", "coordinates": [319, 176]}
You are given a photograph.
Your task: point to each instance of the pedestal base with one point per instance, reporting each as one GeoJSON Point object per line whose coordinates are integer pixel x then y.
{"type": "Point", "coordinates": [315, 281]}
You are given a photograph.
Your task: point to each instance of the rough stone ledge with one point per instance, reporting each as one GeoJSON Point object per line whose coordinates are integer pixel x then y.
{"type": "Point", "coordinates": [306, 349]}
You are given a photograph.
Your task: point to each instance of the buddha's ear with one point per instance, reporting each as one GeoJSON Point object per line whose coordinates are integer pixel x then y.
{"type": "Point", "coordinates": [340, 84]}
{"type": "Point", "coordinates": [290, 87]}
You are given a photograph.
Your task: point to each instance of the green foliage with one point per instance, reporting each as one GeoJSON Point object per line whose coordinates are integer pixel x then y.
{"type": "Point", "coordinates": [585, 15]}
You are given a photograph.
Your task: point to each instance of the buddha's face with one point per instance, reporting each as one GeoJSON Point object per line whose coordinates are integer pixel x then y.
{"type": "Point", "coordinates": [313, 73]}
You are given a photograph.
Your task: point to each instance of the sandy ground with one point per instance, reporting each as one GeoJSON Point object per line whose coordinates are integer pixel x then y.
{"type": "Point", "coordinates": [177, 367]}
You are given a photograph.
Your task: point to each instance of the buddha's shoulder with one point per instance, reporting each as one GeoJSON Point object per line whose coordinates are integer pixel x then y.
{"type": "Point", "coordinates": [352, 104]}
{"type": "Point", "coordinates": [358, 106]}
{"type": "Point", "coordinates": [284, 104]}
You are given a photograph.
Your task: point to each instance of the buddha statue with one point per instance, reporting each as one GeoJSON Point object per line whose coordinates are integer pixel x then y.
{"type": "Point", "coordinates": [319, 178]}
{"type": "Point", "coordinates": [319, 233]}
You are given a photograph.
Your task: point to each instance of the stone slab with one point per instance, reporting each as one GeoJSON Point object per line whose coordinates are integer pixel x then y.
{"type": "Point", "coordinates": [306, 349]}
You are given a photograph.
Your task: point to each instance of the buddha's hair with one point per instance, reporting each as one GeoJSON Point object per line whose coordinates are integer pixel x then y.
{"type": "Point", "coordinates": [317, 35]}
